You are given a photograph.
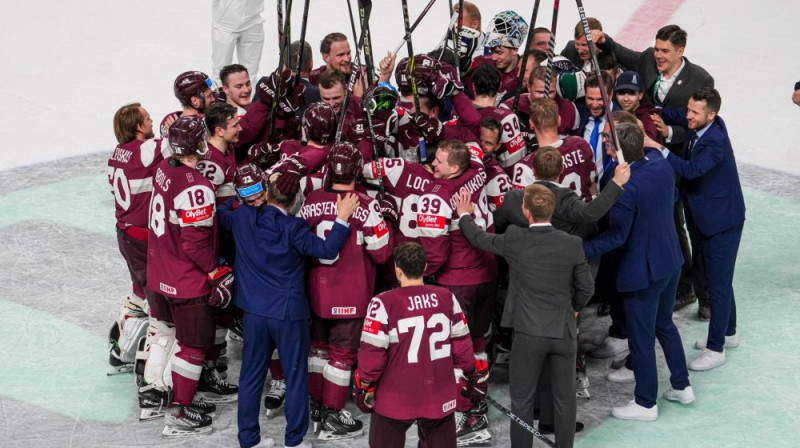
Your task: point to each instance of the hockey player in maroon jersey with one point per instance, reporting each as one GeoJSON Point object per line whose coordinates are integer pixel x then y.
{"type": "Point", "coordinates": [183, 265]}
{"type": "Point", "coordinates": [130, 171]}
{"type": "Point", "coordinates": [195, 91]}
{"type": "Point", "coordinates": [455, 264]}
{"type": "Point", "coordinates": [579, 173]}
{"type": "Point", "coordinates": [237, 86]}
{"type": "Point", "coordinates": [497, 181]}
{"type": "Point", "coordinates": [336, 54]}
{"type": "Point", "coordinates": [219, 163]}
{"type": "Point", "coordinates": [339, 290]}
{"type": "Point", "coordinates": [435, 80]}
{"type": "Point", "coordinates": [486, 81]}
{"type": "Point", "coordinates": [505, 34]}
{"type": "Point", "coordinates": [412, 339]}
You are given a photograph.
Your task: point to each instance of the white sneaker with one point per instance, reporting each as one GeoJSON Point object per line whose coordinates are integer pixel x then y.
{"type": "Point", "coordinates": [265, 442]}
{"type": "Point", "coordinates": [621, 375]}
{"type": "Point", "coordinates": [633, 411]}
{"type": "Point", "coordinates": [685, 396]}
{"type": "Point", "coordinates": [708, 360]}
{"type": "Point", "coordinates": [610, 347]}
{"type": "Point", "coordinates": [730, 342]}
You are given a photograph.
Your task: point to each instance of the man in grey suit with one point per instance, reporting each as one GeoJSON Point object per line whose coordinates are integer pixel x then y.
{"type": "Point", "coordinates": [669, 80]}
{"type": "Point", "coordinates": [550, 282]}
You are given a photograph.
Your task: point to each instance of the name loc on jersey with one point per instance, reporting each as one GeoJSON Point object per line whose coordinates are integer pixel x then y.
{"type": "Point", "coordinates": [343, 310]}
{"type": "Point", "coordinates": [423, 301]}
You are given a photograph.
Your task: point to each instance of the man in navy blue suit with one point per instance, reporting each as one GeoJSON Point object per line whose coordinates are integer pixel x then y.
{"type": "Point", "coordinates": [714, 214]}
{"type": "Point", "coordinates": [643, 246]}
{"type": "Point", "coordinates": [271, 247]}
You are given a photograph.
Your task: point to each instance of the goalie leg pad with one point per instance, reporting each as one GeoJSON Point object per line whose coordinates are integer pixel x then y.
{"type": "Point", "coordinates": [158, 369]}
{"type": "Point", "coordinates": [134, 330]}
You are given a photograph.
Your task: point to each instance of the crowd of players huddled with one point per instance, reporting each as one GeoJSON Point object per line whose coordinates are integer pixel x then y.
{"type": "Point", "coordinates": [451, 121]}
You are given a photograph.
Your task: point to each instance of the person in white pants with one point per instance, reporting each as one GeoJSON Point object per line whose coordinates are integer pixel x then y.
{"type": "Point", "coordinates": [237, 24]}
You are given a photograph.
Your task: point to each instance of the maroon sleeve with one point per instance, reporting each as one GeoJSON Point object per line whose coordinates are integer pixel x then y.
{"type": "Point", "coordinates": [313, 158]}
{"type": "Point", "coordinates": [468, 116]}
{"type": "Point", "coordinates": [373, 354]}
{"type": "Point", "coordinates": [460, 340]}
{"type": "Point", "coordinates": [367, 150]}
{"type": "Point", "coordinates": [252, 123]}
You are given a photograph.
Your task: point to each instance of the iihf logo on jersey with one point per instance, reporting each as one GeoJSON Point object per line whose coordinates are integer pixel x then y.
{"type": "Point", "coordinates": [343, 310]}
{"type": "Point", "coordinates": [449, 406]}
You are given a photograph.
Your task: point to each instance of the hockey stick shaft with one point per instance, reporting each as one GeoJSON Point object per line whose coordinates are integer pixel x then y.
{"type": "Point", "coordinates": [286, 36]}
{"type": "Point", "coordinates": [552, 48]}
{"type": "Point", "coordinates": [423, 153]}
{"type": "Point", "coordinates": [413, 27]}
{"type": "Point", "coordinates": [518, 420]}
{"type": "Point", "coordinates": [302, 46]}
{"type": "Point", "coordinates": [352, 81]}
{"type": "Point", "coordinates": [603, 91]}
{"type": "Point", "coordinates": [531, 26]}
{"type": "Point", "coordinates": [364, 12]}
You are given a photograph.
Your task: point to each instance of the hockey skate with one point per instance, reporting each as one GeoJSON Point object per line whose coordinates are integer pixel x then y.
{"type": "Point", "coordinates": [274, 400]}
{"type": "Point", "coordinates": [315, 411]}
{"type": "Point", "coordinates": [236, 330]}
{"type": "Point", "coordinates": [214, 389]}
{"type": "Point", "coordinates": [339, 424]}
{"type": "Point", "coordinates": [183, 421]}
{"type": "Point", "coordinates": [116, 365]}
{"type": "Point", "coordinates": [472, 427]}
{"type": "Point", "coordinates": [153, 404]}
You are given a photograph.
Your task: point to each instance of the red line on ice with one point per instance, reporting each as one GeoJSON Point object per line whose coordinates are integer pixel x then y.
{"type": "Point", "coordinates": [640, 29]}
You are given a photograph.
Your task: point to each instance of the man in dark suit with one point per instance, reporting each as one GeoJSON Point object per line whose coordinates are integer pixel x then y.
{"type": "Point", "coordinates": [577, 51]}
{"type": "Point", "coordinates": [647, 260]}
{"type": "Point", "coordinates": [715, 214]}
{"type": "Point", "coordinates": [550, 282]}
{"type": "Point", "coordinates": [669, 79]}
{"type": "Point", "coordinates": [271, 247]}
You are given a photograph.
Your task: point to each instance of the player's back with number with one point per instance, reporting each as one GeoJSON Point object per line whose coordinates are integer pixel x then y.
{"type": "Point", "coordinates": [579, 172]}
{"type": "Point", "coordinates": [130, 173]}
{"type": "Point", "coordinates": [420, 335]}
{"type": "Point", "coordinates": [181, 219]}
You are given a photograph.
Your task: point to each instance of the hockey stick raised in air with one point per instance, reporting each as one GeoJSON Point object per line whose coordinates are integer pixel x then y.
{"type": "Point", "coordinates": [525, 54]}
{"type": "Point", "coordinates": [518, 420]}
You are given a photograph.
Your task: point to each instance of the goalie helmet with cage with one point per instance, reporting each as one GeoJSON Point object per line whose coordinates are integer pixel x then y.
{"type": "Point", "coordinates": [506, 29]}
{"type": "Point", "coordinates": [344, 162]}
{"type": "Point", "coordinates": [249, 182]}
{"type": "Point", "coordinates": [319, 123]}
{"type": "Point", "coordinates": [190, 84]}
{"type": "Point", "coordinates": [187, 136]}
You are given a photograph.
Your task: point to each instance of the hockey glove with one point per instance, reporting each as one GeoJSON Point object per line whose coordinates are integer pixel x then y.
{"type": "Point", "coordinates": [389, 210]}
{"type": "Point", "coordinates": [292, 99]}
{"type": "Point", "coordinates": [221, 287]}
{"type": "Point", "coordinates": [290, 171]}
{"type": "Point", "coordinates": [447, 82]}
{"type": "Point", "coordinates": [364, 394]}
{"type": "Point", "coordinates": [429, 127]}
{"type": "Point", "coordinates": [263, 155]}
{"type": "Point", "coordinates": [268, 88]}
{"type": "Point", "coordinates": [477, 382]}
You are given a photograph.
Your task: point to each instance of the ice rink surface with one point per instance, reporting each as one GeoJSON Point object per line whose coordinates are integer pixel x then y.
{"type": "Point", "coordinates": [70, 65]}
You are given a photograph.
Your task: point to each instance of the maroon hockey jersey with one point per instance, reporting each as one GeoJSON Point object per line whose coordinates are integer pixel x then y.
{"type": "Point", "coordinates": [567, 112]}
{"type": "Point", "coordinates": [512, 149]}
{"type": "Point", "coordinates": [412, 341]}
{"type": "Point", "coordinates": [341, 288]}
{"type": "Point", "coordinates": [219, 168]}
{"type": "Point", "coordinates": [579, 172]}
{"type": "Point", "coordinates": [130, 173]}
{"type": "Point", "coordinates": [497, 183]}
{"type": "Point", "coordinates": [182, 235]}
{"type": "Point", "coordinates": [508, 80]}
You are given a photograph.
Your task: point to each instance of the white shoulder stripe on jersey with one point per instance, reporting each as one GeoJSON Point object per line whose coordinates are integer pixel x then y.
{"type": "Point", "coordinates": [141, 185]}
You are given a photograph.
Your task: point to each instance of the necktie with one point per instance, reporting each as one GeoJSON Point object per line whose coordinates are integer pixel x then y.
{"type": "Point", "coordinates": [656, 99]}
{"type": "Point", "coordinates": [692, 142]}
{"type": "Point", "coordinates": [595, 136]}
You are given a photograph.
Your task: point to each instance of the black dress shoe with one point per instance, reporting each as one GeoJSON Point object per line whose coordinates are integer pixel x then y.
{"type": "Point", "coordinates": [704, 311]}
{"type": "Point", "coordinates": [603, 309]}
{"type": "Point", "coordinates": [549, 429]}
{"type": "Point", "coordinates": [684, 299]}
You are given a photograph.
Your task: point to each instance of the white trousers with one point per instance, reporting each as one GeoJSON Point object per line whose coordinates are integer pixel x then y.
{"type": "Point", "coordinates": [248, 45]}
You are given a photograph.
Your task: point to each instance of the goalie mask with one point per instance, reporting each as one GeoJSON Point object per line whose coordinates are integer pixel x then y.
{"type": "Point", "coordinates": [507, 29]}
